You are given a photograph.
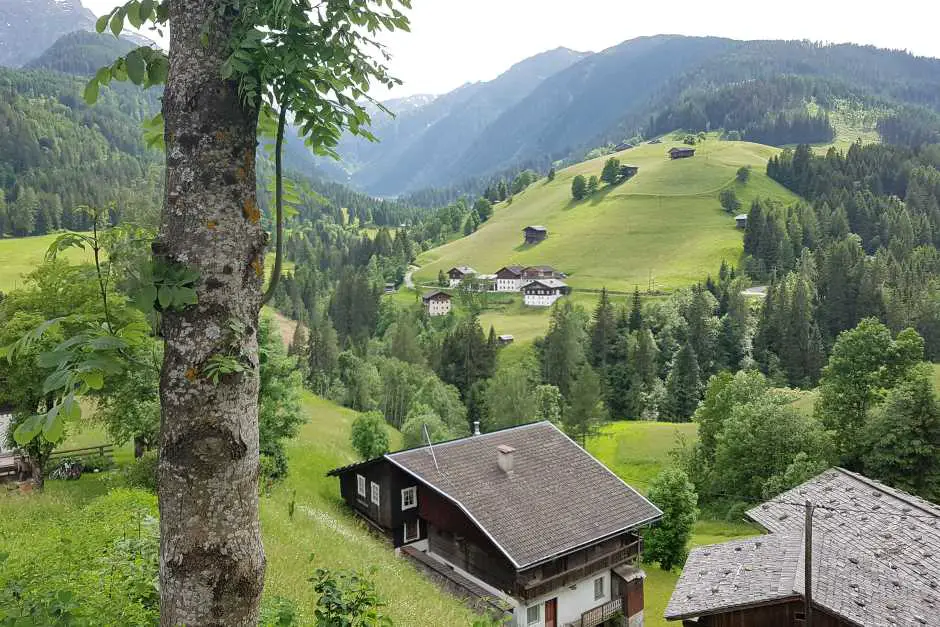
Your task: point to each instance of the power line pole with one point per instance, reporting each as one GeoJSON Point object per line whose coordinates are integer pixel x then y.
{"type": "Point", "coordinates": [808, 566]}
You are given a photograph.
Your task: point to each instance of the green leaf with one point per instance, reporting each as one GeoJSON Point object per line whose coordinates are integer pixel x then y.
{"type": "Point", "coordinates": [94, 380]}
{"type": "Point", "coordinates": [55, 381]}
{"type": "Point", "coordinates": [28, 430]}
{"type": "Point", "coordinates": [136, 67]}
{"type": "Point", "coordinates": [107, 342]}
{"type": "Point", "coordinates": [133, 14]}
{"type": "Point", "coordinates": [103, 75]}
{"type": "Point", "coordinates": [91, 92]}
{"type": "Point", "coordinates": [186, 296]}
{"type": "Point", "coordinates": [157, 70]}
{"type": "Point", "coordinates": [71, 409]}
{"type": "Point", "coordinates": [146, 10]}
{"type": "Point", "coordinates": [102, 22]}
{"type": "Point", "coordinates": [165, 297]}
{"type": "Point", "coordinates": [53, 427]}
{"type": "Point", "coordinates": [117, 22]}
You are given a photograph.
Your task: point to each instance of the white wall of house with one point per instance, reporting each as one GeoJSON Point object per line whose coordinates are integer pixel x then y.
{"type": "Point", "coordinates": [535, 299]}
{"type": "Point", "coordinates": [438, 307]}
{"type": "Point", "coordinates": [508, 285]}
{"type": "Point", "coordinates": [5, 420]}
{"type": "Point", "coordinates": [454, 282]}
{"type": "Point", "coordinates": [573, 601]}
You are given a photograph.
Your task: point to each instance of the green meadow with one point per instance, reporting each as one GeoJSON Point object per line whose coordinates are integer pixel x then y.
{"type": "Point", "coordinates": [663, 228]}
{"type": "Point", "coordinates": [20, 256]}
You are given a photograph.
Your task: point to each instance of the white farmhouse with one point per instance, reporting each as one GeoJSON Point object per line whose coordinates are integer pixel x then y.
{"type": "Point", "coordinates": [509, 279]}
{"type": "Point", "coordinates": [457, 274]}
{"type": "Point", "coordinates": [543, 292]}
{"type": "Point", "coordinates": [437, 303]}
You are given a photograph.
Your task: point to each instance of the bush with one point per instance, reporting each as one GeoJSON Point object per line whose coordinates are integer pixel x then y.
{"type": "Point", "coordinates": [97, 463]}
{"type": "Point", "coordinates": [67, 469]}
{"type": "Point", "coordinates": [142, 473]}
{"type": "Point", "coordinates": [369, 436]}
{"type": "Point", "coordinates": [278, 611]}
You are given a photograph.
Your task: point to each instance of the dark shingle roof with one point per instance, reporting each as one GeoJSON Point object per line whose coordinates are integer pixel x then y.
{"type": "Point", "coordinates": [535, 227]}
{"type": "Point", "coordinates": [557, 498]}
{"type": "Point", "coordinates": [876, 554]}
{"type": "Point", "coordinates": [434, 294]}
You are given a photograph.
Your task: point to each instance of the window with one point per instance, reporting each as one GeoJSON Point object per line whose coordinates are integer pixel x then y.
{"type": "Point", "coordinates": [361, 486]}
{"type": "Point", "coordinates": [412, 530]}
{"type": "Point", "coordinates": [533, 614]}
{"type": "Point", "coordinates": [409, 498]}
{"type": "Point", "coordinates": [598, 588]}
{"type": "Point", "coordinates": [375, 493]}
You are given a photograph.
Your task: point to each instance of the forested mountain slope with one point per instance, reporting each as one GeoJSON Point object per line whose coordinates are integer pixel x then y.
{"type": "Point", "coordinates": [775, 92]}
{"type": "Point", "coordinates": [81, 53]}
{"type": "Point", "coordinates": [27, 27]}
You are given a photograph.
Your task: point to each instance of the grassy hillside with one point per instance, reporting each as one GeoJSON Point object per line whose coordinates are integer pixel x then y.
{"type": "Point", "coordinates": [20, 256]}
{"type": "Point", "coordinates": [665, 223]}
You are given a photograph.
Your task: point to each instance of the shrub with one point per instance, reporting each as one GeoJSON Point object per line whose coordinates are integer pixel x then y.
{"type": "Point", "coordinates": [369, 436]}
{"type": "Point", "coordinates": [278, 611]}
{"type": "Point", "coordinates": [142, 473]}
{"type": "Point", "coordinates": [97, 463]}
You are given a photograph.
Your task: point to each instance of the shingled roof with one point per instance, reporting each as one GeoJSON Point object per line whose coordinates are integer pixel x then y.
{"type": "Point", "coordinates": [876, 556]}
{"type": "Point", "coordinates": [556, 499]}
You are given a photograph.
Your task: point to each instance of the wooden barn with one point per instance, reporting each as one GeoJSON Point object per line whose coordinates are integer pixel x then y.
{"type": "Point", "coordinates": [535, 234]}
{"type": "Point", "coordinates": [524, 516]}
{"type": "Point", "coordinates": [873, 562]}
{"type": "Point", "coordinates": [681, 153]}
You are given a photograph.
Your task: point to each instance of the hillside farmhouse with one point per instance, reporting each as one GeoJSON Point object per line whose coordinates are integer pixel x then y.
{"type": "Point", "coordinates": [524, 516]}
{"type": "Point", "coordinates": [535, 234]}
{"type": "Point", "coordinates": [543, 292]}
{"type": "Point", "coordinates": [681, 153]}
{"type": "Point", "coordinates": [740, 221]}
{"type": "Point", "coordinates": [875, 562]}
{"type": "Point", "coordinates": [459, 273]}
{"type": "Point", "coordinates": [437, 303]}
{"type": "Point", "coordinates": [542, 272]}
{"type": "Point", "coordinates": [628, 170]}
{"type": "Point", "coordinates": [509, 279]}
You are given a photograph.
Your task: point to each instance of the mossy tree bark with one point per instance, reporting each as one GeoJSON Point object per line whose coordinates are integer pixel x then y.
{"type": "Point", "coordinates": [211, 557]}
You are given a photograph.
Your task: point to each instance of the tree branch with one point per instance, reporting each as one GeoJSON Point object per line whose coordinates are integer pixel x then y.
{"type": "Point", "coordinates": [279, 207]}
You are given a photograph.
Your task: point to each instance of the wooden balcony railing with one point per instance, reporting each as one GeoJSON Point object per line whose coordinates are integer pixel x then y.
{"type": "Point", "coordinates": [614, 558]}
{"type": "Point", "coordinates": [597, 615]}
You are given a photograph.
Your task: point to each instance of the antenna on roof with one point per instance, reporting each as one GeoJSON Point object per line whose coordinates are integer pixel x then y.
{"type": "Point", "coordinates": [424, 427]}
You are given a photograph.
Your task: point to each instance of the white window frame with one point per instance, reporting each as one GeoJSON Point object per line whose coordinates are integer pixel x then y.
{"type": "Point", "coordinates": [361, 486]}
{"type": "Point", "coordinates": [413, 493]}
{"type": "Point", "coordinates": [376, 494]}
{"type": "Point", "coordinates": [404, 534]}
{"type": "Point", "coordinates": [538, 614]}
{"type": "Point", "coordinates": [599, 580]}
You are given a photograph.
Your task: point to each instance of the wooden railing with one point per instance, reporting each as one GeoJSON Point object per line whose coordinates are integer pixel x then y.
{"type": "Point", "coordinates": [601, 613]}
{"type": "Point", "coordinates": [614, 558]}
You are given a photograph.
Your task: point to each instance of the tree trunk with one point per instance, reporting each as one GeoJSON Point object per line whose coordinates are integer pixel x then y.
{"type": "Point", "coordinates": [140, 447]}
{"type": "Point", "coordinates": [36, 475]}
{"type": "Point", "coordinates": [211, 558]}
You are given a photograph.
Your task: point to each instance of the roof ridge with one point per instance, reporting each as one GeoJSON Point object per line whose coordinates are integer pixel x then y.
{"type": "Point", "coordinates": [915, 501]}
{"type": "Point", "coordinates": [468, 437]}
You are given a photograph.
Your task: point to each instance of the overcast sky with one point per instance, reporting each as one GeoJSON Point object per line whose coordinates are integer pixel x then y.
{"type": "Point", "coordinates": [456, 41]}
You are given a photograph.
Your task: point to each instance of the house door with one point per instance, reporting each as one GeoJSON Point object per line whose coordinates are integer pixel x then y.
{"type": "Point", "coordinates": [551, 613]}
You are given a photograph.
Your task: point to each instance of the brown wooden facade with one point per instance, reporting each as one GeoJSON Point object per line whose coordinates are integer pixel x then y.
{"type": "Point", "coordinates": [454, 536]}
{"type": "Point", "coordinates": [787, 613]}
{"type": "Point", "coordinates": [534, 235]}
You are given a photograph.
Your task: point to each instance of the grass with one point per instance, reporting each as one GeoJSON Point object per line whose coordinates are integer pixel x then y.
{"type": "Point", "coordinates": [665, 223]}
{"type": "Point", "coordinates": [20, 256]}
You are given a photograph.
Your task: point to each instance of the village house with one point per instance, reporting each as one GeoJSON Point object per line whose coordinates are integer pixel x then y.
{"type": "Point", "coordinates": [505, 340]}
{"type": "Point", "coordinates": [437, 303]}
{"type": "Point", "coordinates": [459, 273]}
{"type": "Point", "coordinates": [875, 562]}
{"type": "Point", "coordinates": [509, 279]}
{"type": "Point", "coordinates": [628, 170]}
{"type": "Point", "coordinates": [535, 234]}
{"type": "Point", "coordinates": [740, 221]}
{"type": "Point", "coordinates": [522, 516]}
{"type": "Point", "coordinates": [681, 153]}
{"type": "Point", "coordinates": [541, 272]}
{"type": "Point", "coordinates": [543, 292]}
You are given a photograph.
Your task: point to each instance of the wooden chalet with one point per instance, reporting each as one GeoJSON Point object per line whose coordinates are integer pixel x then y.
{"type": "Point", "coordinates": [541, 272]}
{"type": "Point", "coordinates": [523, 515]}
{"type": "Point", "coordinates": [437, 303]}
{"type": "Point", "coordinates": [681, 153]}
{"type": "Point", "coordinates": [543, 292]}
{"type": "Point", "coordinates": [535, 234]}
{"type": "Point", "coordinates": [623, 146]}
{"type": "Point", "coordinates": [875, 562]}
{"type": "Point", "coordinates": [740, 221]}
{"type": "Point", "coordinates": [509, 279]}
{"type": "Point", "coordinates": [458, 273]}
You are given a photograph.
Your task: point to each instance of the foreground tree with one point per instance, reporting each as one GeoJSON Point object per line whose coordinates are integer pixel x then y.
{"type": "Point", "coordinates": [667, 542]}
{"type": "Point", "coordinates": [369, 436]}
{"type": "Point", "coordinates": [227, 63]}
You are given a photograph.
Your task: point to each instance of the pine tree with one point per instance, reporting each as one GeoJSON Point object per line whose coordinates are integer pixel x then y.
{"type": "Point", "coordinates": [636, 311]}
{"type": "Point", "coordinates": [298, 343]}
{"type": "Point", "coordinates": [502, 191]}
{"type": "Point", "coordinates": [683, 385]}
{"type": "Point", "coordinates": [551, 173]}
{"type": "Point", "coordinates": [592, 185]}
{"type": "Point", "coordinates": [562, 350]}
{"type": "Point", "coordinates": [611, 172]}
{"type": "Point", "coordinates": [603, 331]}
{"type": "Point", "coordinates": [578, 187]}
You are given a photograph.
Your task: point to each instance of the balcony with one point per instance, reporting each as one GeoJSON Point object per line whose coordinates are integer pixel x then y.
{"type": "Point", "coordinates": [598, 615]}
{"type": "Point", "coordinates": [539, 587]}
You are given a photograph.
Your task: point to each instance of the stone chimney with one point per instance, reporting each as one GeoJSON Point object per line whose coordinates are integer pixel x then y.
{"type": "Point", "coordinates": [505, 458]}
{"type": "Point", "coordinates": [476, 427]}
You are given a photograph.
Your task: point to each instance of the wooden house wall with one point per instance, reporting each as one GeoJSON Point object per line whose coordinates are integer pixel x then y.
{"type": "Point", "coordinates": [787, 614]}
{"type": "Point", "coordinates": [453, 536]}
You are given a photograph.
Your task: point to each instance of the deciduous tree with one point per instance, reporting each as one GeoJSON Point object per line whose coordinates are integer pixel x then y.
{"type": "Point", "coordinates": [667, 542]}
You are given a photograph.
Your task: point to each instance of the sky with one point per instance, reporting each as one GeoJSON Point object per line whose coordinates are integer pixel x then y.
{"type": "Point", "coordinates": [453, 42]}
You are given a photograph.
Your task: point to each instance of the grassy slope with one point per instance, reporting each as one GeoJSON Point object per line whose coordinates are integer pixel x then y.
{"type": "Point", "coordinates": [21, 255]}
{"type": "Point", "coordinates": [666, 221]}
